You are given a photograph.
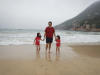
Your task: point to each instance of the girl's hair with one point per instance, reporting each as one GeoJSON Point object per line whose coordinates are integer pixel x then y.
{"type": "Point", "coordinates": [58, 37]}
{"type": "Point", "coordinates": [38, 35]}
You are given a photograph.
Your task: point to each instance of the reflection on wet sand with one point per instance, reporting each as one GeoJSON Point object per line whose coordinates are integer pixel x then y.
{"type": "Point", "coordinates": [48, 56]}
{"type": "Point", "coordinates": [57, 56]}
{"type": "Point", "coordinates": [38, 55]}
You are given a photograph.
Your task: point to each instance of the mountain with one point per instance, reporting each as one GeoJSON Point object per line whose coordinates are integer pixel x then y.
{"type": "Point", "coordinates": [91, 15]}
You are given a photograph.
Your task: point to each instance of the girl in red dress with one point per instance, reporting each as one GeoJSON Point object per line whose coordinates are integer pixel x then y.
{"type": "Point", "coordinates": [37, 42]}
{"type": "Point", "coordinates": [58, 44]}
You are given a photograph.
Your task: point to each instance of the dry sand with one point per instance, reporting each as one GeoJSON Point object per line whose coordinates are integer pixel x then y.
{"type": "Point", "coordinates": [73, 60]}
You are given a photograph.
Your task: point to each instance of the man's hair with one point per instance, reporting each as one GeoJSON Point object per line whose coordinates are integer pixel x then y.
{"type": "Point", "coordinates": [50, 22]}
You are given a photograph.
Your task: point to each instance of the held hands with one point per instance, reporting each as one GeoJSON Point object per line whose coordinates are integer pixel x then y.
{"type": "Point", "coordinates": [43, 39]}
{"type": "Point", "coordinates": [33, 43]}
{"type": "Point", "coordinates": [55, 38]}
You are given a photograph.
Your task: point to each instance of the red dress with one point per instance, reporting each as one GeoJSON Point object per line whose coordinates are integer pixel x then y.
{"type": "Point", "coordinates": [58, 43]}
{"type": "Point", "coordinates": [37, 41]}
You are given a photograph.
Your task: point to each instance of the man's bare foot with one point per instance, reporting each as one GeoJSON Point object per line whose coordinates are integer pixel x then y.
{"type": "Point", "coordinates": [49, 51]}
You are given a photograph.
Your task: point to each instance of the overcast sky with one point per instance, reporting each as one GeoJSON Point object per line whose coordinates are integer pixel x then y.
{"type": "Point", "coordinates": [35, 14]}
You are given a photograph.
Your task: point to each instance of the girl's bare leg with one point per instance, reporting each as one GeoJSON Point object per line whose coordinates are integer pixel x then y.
{"type": "Point", "coordinates": [37, 51]}
{"type": "Point", "coordinates": [56, 50]}
{"type": "Point", "coordinates": [57, 53]}
{"type": "Point", "coordinates": [39, 48]}
{"type": "Point", "coordinates": [59, 50]}
{"type": "Point", "coordinates": [36, 48]}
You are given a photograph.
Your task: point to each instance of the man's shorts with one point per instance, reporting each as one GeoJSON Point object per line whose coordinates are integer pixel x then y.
{"type": "Point", "coordinates": [49, 40]}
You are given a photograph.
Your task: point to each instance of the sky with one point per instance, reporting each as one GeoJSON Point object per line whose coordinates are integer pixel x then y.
{"type": "Point", "coordinates": [35, 14]}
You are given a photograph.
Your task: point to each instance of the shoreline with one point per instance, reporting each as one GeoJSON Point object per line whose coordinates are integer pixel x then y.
{"type": "Point", "coordinates": [82, 43]}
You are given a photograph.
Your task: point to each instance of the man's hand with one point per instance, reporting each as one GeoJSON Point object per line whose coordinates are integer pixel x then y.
{"type": "Point", "coordinates": [55, 38]}
{"type": "Point", "coordinates": [43, 39]}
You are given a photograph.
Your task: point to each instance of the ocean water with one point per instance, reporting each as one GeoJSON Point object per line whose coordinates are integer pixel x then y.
{"type": "Point", "coordinates": [26, 36]}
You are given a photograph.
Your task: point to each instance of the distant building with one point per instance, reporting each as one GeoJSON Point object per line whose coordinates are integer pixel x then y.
{"type": "Point", "coordinates": [88, 27]}
{"type": "Point", "coordinates": [93, 26]}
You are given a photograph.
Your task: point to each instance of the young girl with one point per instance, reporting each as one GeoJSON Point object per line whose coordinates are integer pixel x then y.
{"type": "Point", "coordinates": [58, 44]}
{"type": "Point", "coordinates": [37, 42]}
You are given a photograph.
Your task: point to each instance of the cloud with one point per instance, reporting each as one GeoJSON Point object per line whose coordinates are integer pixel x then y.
{"type": "Point", "coordinates": [36, 13]}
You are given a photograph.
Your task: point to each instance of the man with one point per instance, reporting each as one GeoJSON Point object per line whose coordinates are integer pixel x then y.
{"type": "Point", "coordinates": [49, 33]}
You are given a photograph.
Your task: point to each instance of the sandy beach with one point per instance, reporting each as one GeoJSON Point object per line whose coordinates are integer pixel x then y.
{"type": "Point", "coordinates": [73, 60]}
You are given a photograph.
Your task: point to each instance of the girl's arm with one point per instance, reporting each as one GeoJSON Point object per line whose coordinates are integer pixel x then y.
{"type": "Point", "coordinates": [42, 39]}
{"type": "Point", "coordinates": [34, 42]}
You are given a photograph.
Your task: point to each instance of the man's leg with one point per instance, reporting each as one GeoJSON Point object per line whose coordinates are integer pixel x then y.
{"type": "Point", "coordinates": [46, 46]}
{"type": "Point", "coordinates": [49, 47]}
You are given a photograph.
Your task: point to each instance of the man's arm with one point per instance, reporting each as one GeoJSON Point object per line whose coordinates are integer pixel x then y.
{"type": "Point", "coordinates": [54, 34]}
{"type": "Point", "coordinates": [44, 36]}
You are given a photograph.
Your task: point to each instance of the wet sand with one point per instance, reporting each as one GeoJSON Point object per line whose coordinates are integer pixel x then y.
{"type": "Point", "coordinates": [88, 50]}
{"type": "Point", "coordinates": [73, 60]}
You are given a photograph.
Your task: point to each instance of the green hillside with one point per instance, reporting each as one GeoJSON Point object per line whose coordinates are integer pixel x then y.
{"type": "Point", "coordinates": [91, 16]}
